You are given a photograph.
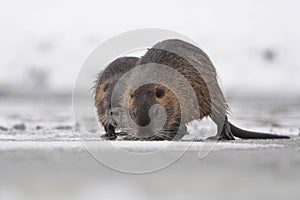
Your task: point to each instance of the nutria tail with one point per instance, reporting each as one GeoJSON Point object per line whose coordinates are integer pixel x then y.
{"type": "Point", "coordinates": [244, 134]}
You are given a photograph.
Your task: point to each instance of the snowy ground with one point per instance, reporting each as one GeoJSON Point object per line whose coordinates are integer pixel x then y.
{"type": "Point", "coordinates": [42, 157]}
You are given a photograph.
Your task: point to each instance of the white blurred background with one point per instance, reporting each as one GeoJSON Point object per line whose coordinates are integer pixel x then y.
{"type": "Point", "coordinates": [253, 44]}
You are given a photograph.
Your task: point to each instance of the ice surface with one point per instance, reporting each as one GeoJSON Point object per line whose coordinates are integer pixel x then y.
{"type": "Point", "coordinates": [48, 160]}
{"type": "Point", "coordinates": [54, 121]}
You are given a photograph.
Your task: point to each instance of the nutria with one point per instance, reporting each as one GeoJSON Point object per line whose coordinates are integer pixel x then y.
{"type": "Point", "coordinates": [196, 68]}
{"type": "Point", "coordinates": [105, 83]}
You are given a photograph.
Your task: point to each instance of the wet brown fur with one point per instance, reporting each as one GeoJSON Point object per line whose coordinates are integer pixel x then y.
{"type": "Point", "coordinates": [195, 66]}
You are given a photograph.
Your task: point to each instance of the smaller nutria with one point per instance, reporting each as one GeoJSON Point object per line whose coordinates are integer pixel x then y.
{"type": "Point", "coordinates": [103, 91]}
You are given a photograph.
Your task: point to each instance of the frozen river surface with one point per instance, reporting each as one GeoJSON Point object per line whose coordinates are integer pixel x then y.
{"type": "Point", "coordinates": [41, 157]}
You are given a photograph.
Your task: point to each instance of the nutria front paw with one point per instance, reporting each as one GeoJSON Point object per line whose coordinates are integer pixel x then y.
{"type": "Point", "coordinates": [109, 136]}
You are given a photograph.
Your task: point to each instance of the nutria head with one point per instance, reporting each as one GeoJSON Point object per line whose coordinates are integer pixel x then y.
{"type": "Point", "coordinates": [156, 112]}
{"type": "Point", "coordinates": [105, 84]}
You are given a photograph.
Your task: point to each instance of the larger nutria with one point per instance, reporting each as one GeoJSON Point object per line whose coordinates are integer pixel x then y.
{"type": "Point", "coordinates": [197, 69]}
{"type": "Point", "coordinates": [104, 87]}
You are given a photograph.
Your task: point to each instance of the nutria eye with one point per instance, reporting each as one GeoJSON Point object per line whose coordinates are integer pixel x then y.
{"type": "Point", "coordinates": [159, 93]}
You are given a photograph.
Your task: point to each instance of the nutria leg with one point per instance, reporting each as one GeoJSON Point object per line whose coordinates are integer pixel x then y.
{"type": "Point", "coordinates": [110, 133]}
{"type": "Point", "coordinates": [224, 132]}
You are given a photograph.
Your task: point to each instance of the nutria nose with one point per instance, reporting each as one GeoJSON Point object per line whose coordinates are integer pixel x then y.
{"type": "Point", "coordinates": [141, 116]}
